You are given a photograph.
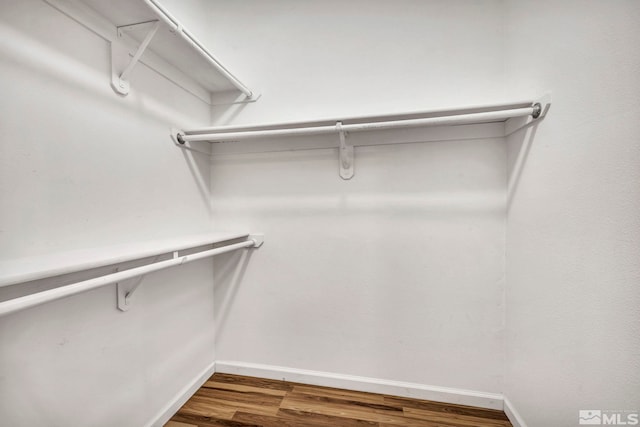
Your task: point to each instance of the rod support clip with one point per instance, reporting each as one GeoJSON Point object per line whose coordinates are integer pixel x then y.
{"type": "Point", "coordinates": [346, 154]}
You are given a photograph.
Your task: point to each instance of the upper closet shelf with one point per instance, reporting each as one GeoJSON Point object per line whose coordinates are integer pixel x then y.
{"type": "Point", "coordinates": [504, 119]}
{"type": "Point", "coordinates": [466, 115]}
{"type": "Point", "coordinates": [144, 31]}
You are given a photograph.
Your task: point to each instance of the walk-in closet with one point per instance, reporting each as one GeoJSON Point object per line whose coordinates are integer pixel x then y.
{"type": "Point", "coordinates": [319, 213]}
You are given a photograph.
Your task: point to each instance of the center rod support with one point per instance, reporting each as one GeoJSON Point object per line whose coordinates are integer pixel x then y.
{"type": "Point", "coordinates": [346, 154]}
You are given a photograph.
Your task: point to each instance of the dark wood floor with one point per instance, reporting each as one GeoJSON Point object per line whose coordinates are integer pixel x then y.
{"type": "Point", "coordinates": [237, 401]}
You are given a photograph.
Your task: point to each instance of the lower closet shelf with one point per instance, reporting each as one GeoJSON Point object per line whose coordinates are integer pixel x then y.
{"type": "Point", "coordinates": [86, 260]}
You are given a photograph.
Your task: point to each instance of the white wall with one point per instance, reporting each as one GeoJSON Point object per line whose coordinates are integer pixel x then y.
{"type": "Point", "coordinates": [573, 236]}
{"type": "Point", "coordinates": [335, 58]}
{"type": "Point", "coordinates": [81, 167]}
{"type": "Point", "coordinates": [398, 273]}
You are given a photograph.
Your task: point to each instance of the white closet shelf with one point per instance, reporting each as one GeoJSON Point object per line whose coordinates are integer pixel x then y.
{"type": "Point", "coordinates": [510, 117]}
{"type": "Point", "coordinates": [125, 288]}
{"type": "Point", "coordinates": [26, 269]}
{"type": "Point", "coordinates": [143, 30]}
{"type": "Point", "coordinates": [464, 115]}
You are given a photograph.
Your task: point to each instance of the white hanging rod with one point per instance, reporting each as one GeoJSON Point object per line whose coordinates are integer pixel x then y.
{"type": "Point", "coordinates": [189, 38]}
{"type": "Point", "coordinates": [222, 134]}
{"type": "Point", "coordinates": [21, 270]}
{"type": "Point", "coordinates": [39, 298]}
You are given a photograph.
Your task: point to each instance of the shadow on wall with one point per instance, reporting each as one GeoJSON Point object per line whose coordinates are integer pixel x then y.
{"type": "Point", "coordinates": [82, 70]}
{"type": "Point", "coordinates": [409, 205]}
{"type": "Point", "coordinates": [81, 79]}
{"type": "Point", "coordinates": [225, 108]}
{"type": "Point", "coordinates": [198, 163]}
{"type": "Point", "coordinates": [442, 179]}
{"type": "Point", "coordinates": [521, 141]}
{"type": "Point", "coordinates": [228, 272]}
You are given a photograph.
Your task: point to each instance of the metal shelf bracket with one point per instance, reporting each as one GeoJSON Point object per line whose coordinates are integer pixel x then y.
{"type": "Point", "coordinates": [257, 239]}
{"type": "Point", "coordinates": [125, 289]}
{"type": "Point", "coordinates": [346, 154]}
{"type": "Point", "coordinates": [539, 107]}
{"type": "Point", "coordinates": [125, 292]}
{"type": "Point", "coordinates": [121, 65]}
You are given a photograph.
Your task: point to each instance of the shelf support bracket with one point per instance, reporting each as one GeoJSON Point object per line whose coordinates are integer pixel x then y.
{"type": "Point", "coordinates": [346, 154]}
{"type": "Point", "coordinates": [540, 107]}
{"type": "Point", "coordinates": [125, 291]}
{"type": "Point", "coordinates": [120, 56]}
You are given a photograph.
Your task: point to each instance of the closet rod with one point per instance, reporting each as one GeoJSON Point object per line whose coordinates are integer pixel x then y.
{"type": "Point", "coordinates": [501, 115]}
{"type": "Point", "coordinates": [21, 303]}
{"type": "Point", "coordinates": [189, 38]}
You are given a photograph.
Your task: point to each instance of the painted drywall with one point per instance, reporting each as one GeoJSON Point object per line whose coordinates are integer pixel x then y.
{"type": "Point", "coordinates": [573, 235]}
{"type": "Point", "coordinates": [82, 167]}
{"type": "Point", "coordinates": [334, 58]}
{"type": "Point", "coordinates": [396, 274]}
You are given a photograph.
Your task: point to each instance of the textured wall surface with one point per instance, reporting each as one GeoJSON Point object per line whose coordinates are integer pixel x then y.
{"type": "Point", "coordinates": [81, 167]}
{"type": "Point", "coordinates": [573, 236]}
{"type": "Point", "coordinates": [397, 273]}
{"type": "Point", "coordinates": [333, 58]}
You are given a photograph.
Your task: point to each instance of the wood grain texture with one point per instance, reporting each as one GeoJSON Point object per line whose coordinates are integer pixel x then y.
{"type": "Point", "coordinates": [239, 401]}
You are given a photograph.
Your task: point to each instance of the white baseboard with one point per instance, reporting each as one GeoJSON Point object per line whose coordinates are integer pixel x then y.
{"type": "Point", "coordinates": [181, 397]}
{"type": "Point", "coordinates": [371, 385]}
{"type": "Point", "coordinates": [512, 414]}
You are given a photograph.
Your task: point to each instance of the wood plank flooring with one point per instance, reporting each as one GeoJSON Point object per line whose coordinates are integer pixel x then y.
{"type": "Point", "coordinates": [238, 401]}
